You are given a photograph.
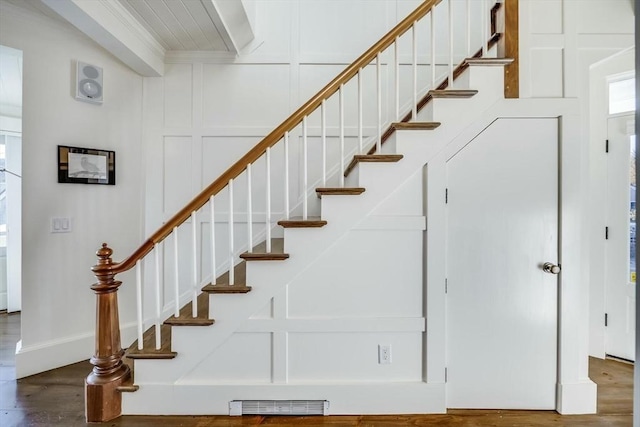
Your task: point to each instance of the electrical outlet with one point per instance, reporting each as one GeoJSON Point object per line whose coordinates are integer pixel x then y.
{"type": "Point", "coordinates": [384, 354]}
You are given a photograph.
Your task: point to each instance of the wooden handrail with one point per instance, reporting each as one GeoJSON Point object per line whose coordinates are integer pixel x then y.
{"type": "Point", "coordinates": [276, 135]}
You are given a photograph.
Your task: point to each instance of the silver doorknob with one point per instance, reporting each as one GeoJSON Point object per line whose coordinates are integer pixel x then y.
{"type": "Point", "coordinates": [551, 268]}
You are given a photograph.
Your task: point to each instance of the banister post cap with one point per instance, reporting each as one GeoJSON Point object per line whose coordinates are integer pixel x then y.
{"type": "Point", "coordinates": [104, 253]}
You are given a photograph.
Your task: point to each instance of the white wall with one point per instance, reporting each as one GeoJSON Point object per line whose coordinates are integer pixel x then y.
{"type": "Point", "coordinates": [58, 310]}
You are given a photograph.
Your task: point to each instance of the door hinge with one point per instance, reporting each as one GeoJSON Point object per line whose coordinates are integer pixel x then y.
{"type": "Point", "coordinates": [606, 146]}
{"type": "Point", "coordinates": [446, 195]}
{"type": "Point", "coordinates": [606, 233]}
{"type": "Point", "coordinates": [606, 319]}
{"type": "Point", "coordinates": [445, 375]}
{"type": "Point", "coordinates": [446, 286]}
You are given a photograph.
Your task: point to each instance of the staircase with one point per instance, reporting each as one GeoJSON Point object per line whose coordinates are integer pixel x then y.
{"type": "Point", "coordinates": [183, 363]}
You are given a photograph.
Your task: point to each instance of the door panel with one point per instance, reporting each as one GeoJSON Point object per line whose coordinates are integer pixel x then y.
{"type": "Point", "coordinates": [502, 225]}
{"type": "Point", "coordinates": [620, 271]}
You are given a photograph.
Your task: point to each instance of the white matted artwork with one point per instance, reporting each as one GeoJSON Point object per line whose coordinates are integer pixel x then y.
{"type": "Point", "coordinates": [87, 166]}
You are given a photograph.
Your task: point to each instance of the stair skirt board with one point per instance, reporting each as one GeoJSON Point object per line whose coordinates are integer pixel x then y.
{"type": "Point", "coordinates": [345, 399]}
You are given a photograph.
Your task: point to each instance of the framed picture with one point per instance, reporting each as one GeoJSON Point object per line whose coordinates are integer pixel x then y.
{"type": "Point", "coordinates": [86, 166]}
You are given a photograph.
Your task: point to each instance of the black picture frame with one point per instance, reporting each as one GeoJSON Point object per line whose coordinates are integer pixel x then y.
{"type": "Point", "coordinates": [77, 165]}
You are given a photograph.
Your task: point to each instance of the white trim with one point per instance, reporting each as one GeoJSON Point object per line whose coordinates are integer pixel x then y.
{"type": "Point", "coordinates": [344, 399]}
{"type": "Point", "coordinates": [577, 398]}
{"type": "Point", "coordinates": [61, 352]}
{"type": "Point", "coordinates": [373, 324]}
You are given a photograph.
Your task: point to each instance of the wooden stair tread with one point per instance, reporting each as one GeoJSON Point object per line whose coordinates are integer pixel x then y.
{"type": "Point", "coordinates": [339, 191]}
{"type": "Point", "coordinates": [221, 288]}
{"type": "Point", "coordinates": [186, 316]}
{"type": "Point", "coordinates": [259, 252]}
{"type": "Point", "coordinates": [149, 345]}
{"type": "Point", "coordinates": [298, 222]}
{"type": "Point", "coordinates": [128, 388]}
{"type": "Point", "coordinates": [453, 93]}
{"type": "Point", "coordinates": [415, 125]}
{"type": "Point", "coordinates": [372, 158]}
{"type": "Point", "coordinates": [489, 61]}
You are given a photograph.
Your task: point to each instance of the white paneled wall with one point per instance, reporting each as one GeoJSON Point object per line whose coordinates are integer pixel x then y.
{"type": "Point", "coordinates": [560, 39]}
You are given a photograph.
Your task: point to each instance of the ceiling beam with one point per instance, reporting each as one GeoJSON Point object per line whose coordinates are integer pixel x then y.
{"type": "Point", "coordinates": [231, 21]}
{"type": "Point", "coordinates": [113, 27]}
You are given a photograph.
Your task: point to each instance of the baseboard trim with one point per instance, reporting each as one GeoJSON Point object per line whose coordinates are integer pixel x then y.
{"type": "Point", "coordinates": [577, 398]}
{"type": "Point", "coordinates": [344, 399]}
{"type": "Point", "coordinates": [54, 354]}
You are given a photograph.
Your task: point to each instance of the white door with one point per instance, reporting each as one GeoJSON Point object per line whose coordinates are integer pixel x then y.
{"type": "Point", "coordinates": [620, 263]}
{"type": "Point", "coordinates": [502, 226]}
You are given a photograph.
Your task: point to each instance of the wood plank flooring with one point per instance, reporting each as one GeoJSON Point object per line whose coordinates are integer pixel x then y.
{"type": "Point", "coordinates": [55, 399]}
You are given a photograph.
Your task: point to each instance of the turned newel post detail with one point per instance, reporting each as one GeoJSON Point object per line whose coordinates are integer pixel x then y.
{"type": "Point", "coordinates": [102, 397]}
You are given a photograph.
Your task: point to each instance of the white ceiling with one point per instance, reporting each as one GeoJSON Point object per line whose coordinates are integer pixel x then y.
{"type": "Point", "coordinates": [141, 32]}
{"type": "Point", "coordinates": [178, 24]}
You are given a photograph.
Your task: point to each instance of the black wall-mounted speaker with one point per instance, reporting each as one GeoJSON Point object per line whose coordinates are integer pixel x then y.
{"type": "Point", "coordinates": [89, 83]}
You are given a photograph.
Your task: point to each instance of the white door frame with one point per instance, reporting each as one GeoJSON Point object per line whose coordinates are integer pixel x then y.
{"type": "Point", "coordinates": [576, 393]}
{"type": "Point", "coordinates": [619, 65]}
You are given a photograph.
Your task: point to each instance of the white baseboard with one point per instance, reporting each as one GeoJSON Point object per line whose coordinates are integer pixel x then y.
{"type": "Point", "coordinates": [53, 354]}
{"type": "Point", "coordinates": [577, 398]}
{"type": "Point", "coordinates": [344, 399]}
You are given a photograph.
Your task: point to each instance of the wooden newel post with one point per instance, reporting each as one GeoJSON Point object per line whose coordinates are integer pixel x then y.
{"type": "Point", "coordinates": [103, 400]}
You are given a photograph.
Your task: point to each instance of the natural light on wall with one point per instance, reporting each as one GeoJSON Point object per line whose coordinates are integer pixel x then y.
{"type": "Point", "coordinates": [622, 96]}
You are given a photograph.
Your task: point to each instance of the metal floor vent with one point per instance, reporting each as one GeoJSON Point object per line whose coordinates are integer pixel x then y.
{"type": "Point", "coordinates": [279, 407]}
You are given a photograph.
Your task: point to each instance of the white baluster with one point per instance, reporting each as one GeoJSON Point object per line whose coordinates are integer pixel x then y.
{"type": "Point", "coordinates": [469, 53]}
{"type": "Point", "coordinates": [139, 303]}
{"type": "Point", "coordinates": [396, 64]}
{"type": "Point", "coordinates": [414, 104]}
{"type": "Point", "coordinates": [485, 28]}
{"type": "Point", "coordinates": [286, 174]}
{"type": "Point", "coordinates": [231, 250]}
{"type": "Point", "coordinates": [433, 48]}
{"type": "Point", "coordinates": [450, 44]}
{"type": "Point", "coordinates": [194, 264]}
{"type": "Point", "coordinates": [176, 272]}
{"type": "Point", "coordinates": [360, 133]}
{"type": "Point", "coordinates": [305, 169]}
{"type": "Point", "coordinates": [213, 241]}
{"type": "Point", "coordinates": [268, 221]}
{"type": "Point", "coordinates": [379, 96]}
{"type": "Point", "coordinates": [158, 298]}
{"type": "Point", "coordinates": [249, 211]}
{"type": "Point", "coordinates": [323, 130]}
{"type": "Point", "coordinates": [341, 126]}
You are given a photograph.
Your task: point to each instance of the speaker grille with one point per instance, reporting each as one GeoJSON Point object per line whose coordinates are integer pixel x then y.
{"type": "Point", "coordinates": [279, 407]}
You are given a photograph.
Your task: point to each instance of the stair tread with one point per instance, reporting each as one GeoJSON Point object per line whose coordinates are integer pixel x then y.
{"type": "Point", "coordinates": [416, 125]}
{"type": "Point", "coordinates": [372, 158]}
{"type": "Point", "coordinates": [298, 222]}
{"type": "Point", "coordinates": [221, 288]}
{"type": "Point", "coordinates": [186, 316]}
{"type": "Point", "coordinates": [489, 61]}
{"type": "Point", "coordinates": [128, 388]}
{"type": "Point", "coordinates": [149, 350]}
{"type": "Point", "coordinates": [339, 191]}
{"type": "Point", "coordinates": [452, 93]}
{"type": "Point", "coordinates": [259, 252]}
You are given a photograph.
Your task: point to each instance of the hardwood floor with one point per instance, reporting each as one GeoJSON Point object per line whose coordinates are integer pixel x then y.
{"type": "Point", "coordinates": [55, 398]}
